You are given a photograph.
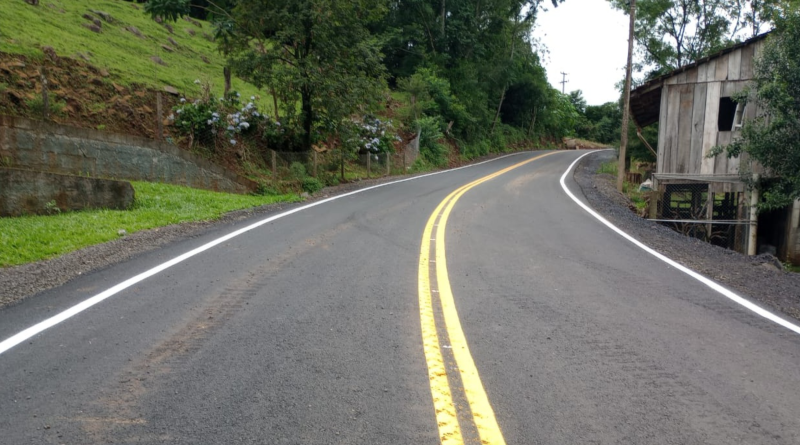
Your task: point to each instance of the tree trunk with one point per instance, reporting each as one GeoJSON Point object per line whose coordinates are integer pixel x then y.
{"type": "Point", "coordinates": [227, 73]}
{"type": "Point", "coordinates": [533, 122]}
{"type": "Point", "coordinates": [308, 117]}
{"type": "Point", "coordinates": [275, 104]}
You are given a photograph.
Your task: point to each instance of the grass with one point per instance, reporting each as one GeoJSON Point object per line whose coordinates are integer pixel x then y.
{"type": "Point", "coordinates": [32, 238]}
{"type": "Point", "coordinates": [25, 29]}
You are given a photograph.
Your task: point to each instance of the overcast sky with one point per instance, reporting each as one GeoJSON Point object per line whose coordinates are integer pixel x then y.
{"type": "Point", "coordinates": [588, 40]}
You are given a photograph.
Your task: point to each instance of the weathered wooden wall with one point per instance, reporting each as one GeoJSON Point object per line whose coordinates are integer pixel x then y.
{"type": "Point", "coordinates": [688, 123]}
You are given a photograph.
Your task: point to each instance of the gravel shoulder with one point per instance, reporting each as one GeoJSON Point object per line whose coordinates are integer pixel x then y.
{"type": "Point", "coordinates": [761, 278]}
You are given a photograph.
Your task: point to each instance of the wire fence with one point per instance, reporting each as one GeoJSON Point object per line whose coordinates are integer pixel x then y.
{"type": "Point", "coordinates": [51, 92]}
{"type": "Point", "coordinates": [711, 212]}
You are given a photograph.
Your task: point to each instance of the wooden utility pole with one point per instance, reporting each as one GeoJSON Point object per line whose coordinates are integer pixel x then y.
{"type": "Point", "coordinates": [563, 81]}
{"type": "Point", "coordinates": [623, 142]}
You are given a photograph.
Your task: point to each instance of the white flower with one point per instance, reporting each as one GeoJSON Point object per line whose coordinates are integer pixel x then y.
{"type": "Point", "coordinates": [252, 98]}
{"type": "Point", "coordinates": [238, 95]}
{"type": "Point", "coordinates": [215, 114]}
{"type": "Point", "coordinates": [171, 117]}
{"type": "Point", "coordinates": [197, 81]}
{"type": "Point", "coordinates": [183, 100]}
{"type": "Point", "coordinates": [255, 113]}
{"type": "Point", "coordinates": [230, 128]}
{"type": "Point", "coordinates": [179, 111]}
{"type": "Point", "coordinates": [209, 122]}
{"type": "Point", "coordinates": [244, 125]}
{"type": "Point", "coordinates": [233, 141]}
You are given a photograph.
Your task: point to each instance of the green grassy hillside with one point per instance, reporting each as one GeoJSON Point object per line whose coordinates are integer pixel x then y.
{"type": "Point", "coordinates": [61, 25]}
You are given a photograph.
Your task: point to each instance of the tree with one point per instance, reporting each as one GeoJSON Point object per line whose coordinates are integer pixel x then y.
{"type": "Point", "coordinates": [672, 33]}
{"type": "Point", "coordinates": [170, 10]}
{"type": "Point", "coordinates": [773, 140]}
{"type": "Point", "coordinates": [318, 53]}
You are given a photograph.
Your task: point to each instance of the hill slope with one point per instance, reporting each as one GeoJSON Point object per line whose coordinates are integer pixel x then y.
{"type": "Point", "coordinates": [119, 37]}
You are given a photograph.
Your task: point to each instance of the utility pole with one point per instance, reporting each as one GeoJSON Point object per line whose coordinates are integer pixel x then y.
{"type": "Point", "coordinates": [563, 81]}
{"type": "Point", "coordinates": [623, 142]}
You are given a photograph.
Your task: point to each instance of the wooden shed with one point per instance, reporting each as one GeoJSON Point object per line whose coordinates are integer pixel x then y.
{"type": "Point", "coordinates": [695, 112]}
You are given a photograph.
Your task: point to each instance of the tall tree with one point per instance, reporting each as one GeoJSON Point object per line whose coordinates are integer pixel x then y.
{"type": "Point", "coordinates": [318, 53]}
{"type": "Point", "coordinates": [672, 33]}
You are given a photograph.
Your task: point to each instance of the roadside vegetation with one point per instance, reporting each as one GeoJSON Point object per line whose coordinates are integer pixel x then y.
{"type": "Point", "coordinates": [32, 238]}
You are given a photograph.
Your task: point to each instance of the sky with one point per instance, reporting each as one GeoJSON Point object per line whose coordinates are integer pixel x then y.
{"type": "Point", "coordinates": [588, 40]}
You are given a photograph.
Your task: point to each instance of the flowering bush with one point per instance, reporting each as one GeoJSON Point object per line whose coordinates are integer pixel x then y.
{"type": "Point", "coordinates": [212, 119]}
{"type": "Point", "coordinates": [375, 135]}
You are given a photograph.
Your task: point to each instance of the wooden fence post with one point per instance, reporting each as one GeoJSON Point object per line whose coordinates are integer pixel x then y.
{"type": "Point", "coordinates": [274, 168]}
{"type": "Point", "coordinates": [315, 163]}
{"type": "Point", "coordinates": [388, 164]}
{"type": "Point", "coordinates": [45, 97]}
{"type": "Point", "coordinates": [369, 161]}
{"type": "Point", "coordinates": [159, 117]}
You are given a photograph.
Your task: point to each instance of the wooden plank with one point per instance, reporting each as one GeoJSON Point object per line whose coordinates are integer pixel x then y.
{"type": "Point", "coordinates": [681, 78]}
{"type": "Point", "coordinates": [671, 81]}
{"type": "Point", "coordinates": [662, 130]}
{"type": "Point", "coordinates": [673, 135]}
{"type": "Point", "coordinates": [721, 67]}
{"type": "Point", "coordinates": [701, 72]}
{"type": "Point", "coordinates": [698, 119]}
{"type": "Point", "coordinates": [746, 71]}
{"type": "Point", "coordinates": [711, 70]}
{"type": "Point", "coordinates": [691, 75]}
{"type": "Point", "coordinates": [710, 126]}
{"type": "Point", "coordinates": [721, 160]}
{"type": "Point", "coordinates": [684, 148]}
{"type": "Point", "coordinates": [734, 64]}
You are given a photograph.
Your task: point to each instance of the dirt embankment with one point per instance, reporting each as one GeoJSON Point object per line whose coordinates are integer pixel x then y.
{"type": "Point", "coordinates": [80, 95]}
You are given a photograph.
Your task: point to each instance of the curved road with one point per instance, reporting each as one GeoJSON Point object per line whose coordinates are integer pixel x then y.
{"type": "Point", "coordinates": [520, 319]}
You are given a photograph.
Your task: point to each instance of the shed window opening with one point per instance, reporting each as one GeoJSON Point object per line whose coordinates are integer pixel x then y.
{"type": "Point", "coordinates": [727, 113]}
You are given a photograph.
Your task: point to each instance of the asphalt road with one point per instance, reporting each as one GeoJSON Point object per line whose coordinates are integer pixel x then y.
{"type": "Point", "coordinates": [307, 330]}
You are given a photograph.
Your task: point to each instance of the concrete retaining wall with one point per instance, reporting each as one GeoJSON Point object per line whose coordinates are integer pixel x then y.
{"type": "Point", "coordinates": [54, 148]}
{"type": "Point", "coordinates": [26, 192]}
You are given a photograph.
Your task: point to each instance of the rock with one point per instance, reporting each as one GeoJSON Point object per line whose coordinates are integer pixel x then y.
{"type": "Point", "coordinates": [97, 23]}
{"type": "Point", "coordinates": [50, 53]}
{"type": "Point", "coordinates": [158, 19]}
{"type": "Point", "coordinates": [133, 5]}
{"type": "Point", "coordinates": [84, 57]}
{"type": "Point", "coordinates": [167, 48]}
{"type": "Point", "coordinates": [88, 17]}
{"type": "Point", "coordinates": [173, 42]}
{"type": "Point", "coordinates": [158, 60]}
{"type": "Point", "coordinates": [208, 37]}
{"type": "Point", "coordinates": [97, 82]}
{"type": "Point", "coordinates": [171, 90]}
{"type": "Point", "coordinates": [122, 232]}
{"type": "Point", "coordinates": [190, 31]}
{"type": "Point", "coordinates": [204, 59]}
{"type": "Point", "coordinates": [305, 195]}
{"type": "Point", "coordinates": [169, 28]}
{"type": "Point", "coordinates": [119, 89]}
{"type": "Point", "coordinates": [104, 15]}
{"type": "Point", "coordinates": [104, 73]}
{"type": "Point", "coordinates": [135, 31]}
{"type": "Point", "coordinates": [93, 28]}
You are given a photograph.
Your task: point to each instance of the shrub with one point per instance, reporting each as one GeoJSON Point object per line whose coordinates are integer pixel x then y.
{"type": "Point", "coordinates": [312, 185]}
{"type": "Point", "coordinates": [429, 147]}
{"type": "Point", "coordinates": [298, 171]}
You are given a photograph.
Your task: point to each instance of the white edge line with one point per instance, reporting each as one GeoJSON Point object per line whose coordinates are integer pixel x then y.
{"type": "Point", "coordinates": [708, 282]}
{"type": "Point", "coordinates": [26, 334]}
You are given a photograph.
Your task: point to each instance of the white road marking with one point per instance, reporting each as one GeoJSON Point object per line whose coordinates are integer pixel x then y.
{"type": "Point", "coordinates": [708, 282]}
{"type": "Point", "coordinates": [28, 333]}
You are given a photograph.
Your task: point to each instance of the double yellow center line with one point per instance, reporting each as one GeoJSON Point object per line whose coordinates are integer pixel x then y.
{"type": "Point", "coordinates": [447, 412]}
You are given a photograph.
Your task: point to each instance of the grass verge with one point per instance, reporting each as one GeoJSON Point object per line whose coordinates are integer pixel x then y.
{"type": "Point", "coordinates": [32, 238]}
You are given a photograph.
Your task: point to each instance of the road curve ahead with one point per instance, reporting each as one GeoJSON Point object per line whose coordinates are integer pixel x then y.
{"type": "Point", "coordinates": [480, 305]}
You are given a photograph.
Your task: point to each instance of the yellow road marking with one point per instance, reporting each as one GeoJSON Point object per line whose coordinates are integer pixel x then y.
{"type": "Point", "coordinates": [444, 407]}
